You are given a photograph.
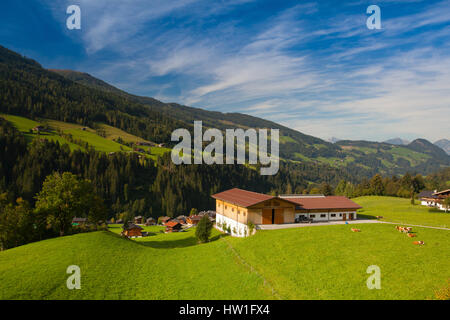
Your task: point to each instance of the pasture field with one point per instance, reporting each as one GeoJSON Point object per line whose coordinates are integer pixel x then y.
{"type": "Point", "coordinates": [400, 210]}
{"type": "Point", "coordinates": [317, 262]}
{"type": "Point", "coordinates": [107, 143]}
{"type": "Point", "coordinates": [25, 126]}
{"type": "Point", "coordinates": [113, 133]}
{"type": "Point", "coordinates": [90, 136]}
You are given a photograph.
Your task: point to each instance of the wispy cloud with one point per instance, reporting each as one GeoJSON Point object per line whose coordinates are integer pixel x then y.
{"type": "Point", "coordinates": [312, 66]}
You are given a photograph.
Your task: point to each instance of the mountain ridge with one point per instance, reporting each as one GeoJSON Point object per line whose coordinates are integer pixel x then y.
{"type": "Point", "coordinates": [78, 97]}
{"type": "Point", "coordinates": [444, 144]}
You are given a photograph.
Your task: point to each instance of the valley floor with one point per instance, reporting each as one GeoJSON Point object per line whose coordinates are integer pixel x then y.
{"type": "Point", "coordinates": [322, 262]}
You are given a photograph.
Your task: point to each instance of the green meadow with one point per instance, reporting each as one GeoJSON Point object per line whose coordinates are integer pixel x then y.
{"type": "Point", "coordinates": [400, 210]}
{"type": "Point", "coordinates": [85, 134]}
{"type": "Point", "coordinates": [313, 262]}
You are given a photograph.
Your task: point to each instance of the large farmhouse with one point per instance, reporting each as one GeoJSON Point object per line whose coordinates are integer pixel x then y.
{"type": "Point", "coordinates": [434, 198]}
{"type": "Point", "coordinates": [235, 208]}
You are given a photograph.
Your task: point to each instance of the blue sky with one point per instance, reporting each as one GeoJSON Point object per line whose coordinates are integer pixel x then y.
{"type": "Point", "coordinates": [313, 66]}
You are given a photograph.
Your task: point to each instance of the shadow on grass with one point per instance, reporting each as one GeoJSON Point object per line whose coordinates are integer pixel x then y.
{"type": "Point", "coordinates": [435, 210]}
{"type": "Point", "coordinates": [366, 217]}
{"type": "Point", "coordinates": [178, 243]}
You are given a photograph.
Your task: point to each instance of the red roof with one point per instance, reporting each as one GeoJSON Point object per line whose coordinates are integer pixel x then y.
{"type": "Point", "coordinates": [329, 202]}
{"type": "Point", "coordinates": [172, 224]}
{"type": "Point", "coordinates": [242, 198]}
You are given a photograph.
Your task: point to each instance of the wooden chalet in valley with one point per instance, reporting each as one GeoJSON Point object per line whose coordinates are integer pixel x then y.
{"type": "Point", "coordinates": [138, 219]}
{"type": "Point", "coordinates": [235, 208]}
{"type": "Point", "coordinates": [173, 226]}
{"type": "Point", "coordinates": [163, 220]}
{"type": "Point", "coordinates": [195, 219]}
{"type": "Point", "coordinates": [150, 222]}
{"type": "Point", "coordinates": [182, 219]}
{"type": "Point", "coordinates": [132, 230]}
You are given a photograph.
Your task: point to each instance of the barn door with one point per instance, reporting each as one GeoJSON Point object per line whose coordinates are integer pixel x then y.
{"type": "Point", "coordinates": [279, 216]}
{"type": "Point", "coordinates": [344, 216]}
{"type": "Point", "coordinates": [266, 216]}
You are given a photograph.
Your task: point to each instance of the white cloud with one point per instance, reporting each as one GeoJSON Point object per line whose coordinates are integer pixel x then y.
{"type": "Point", "coordinates": [326, 77]}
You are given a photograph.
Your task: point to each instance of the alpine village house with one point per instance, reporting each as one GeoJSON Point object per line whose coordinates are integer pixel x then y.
{"type": "Point", "coordinates": [434, 198]}
{"type": "Point", "coordinates": [235, 208]}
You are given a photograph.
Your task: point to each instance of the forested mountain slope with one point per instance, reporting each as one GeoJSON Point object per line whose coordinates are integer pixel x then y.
{"type": "Point", "coordinates": [68, 96]}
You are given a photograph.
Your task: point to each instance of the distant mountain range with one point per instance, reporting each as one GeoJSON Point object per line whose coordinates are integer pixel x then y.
{"type": "Point", "coordinates": [444, 144]}
{"type": "Point", "coordinates": [397, 141]}
{"type": "Point", "coordinates": [334, 140]}
{"type": "Point", "coordinates": [73, 96]}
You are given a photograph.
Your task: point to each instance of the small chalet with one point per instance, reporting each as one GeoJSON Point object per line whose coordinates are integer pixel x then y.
{"type": "Point", "coordinates": [163, 220]}
{"type": "Point", "coordinates": [182, 219]}
{"type": "Point", "coordinates": [434, 198]}
{"type": "Point", "coordinates": [173, 226]}
{"type": "Point", "coordinates": [210, 213]}
{"type": "Point", "coordinates": [138, 219]}
{"type": "Point", "coordinates": [150, 222]}
{"type": "Point", "coordinates": [79, 221]}
{"type": "Point", "coordinates": [194, 219]}
{"type": "Point", "coordinates": [132, 230]}
{"type": "Point", "coordinates": [38, 129]}
{"type": "Point", "coordinates": [120, 221]}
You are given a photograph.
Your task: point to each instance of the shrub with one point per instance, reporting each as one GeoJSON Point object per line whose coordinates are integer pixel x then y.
{"type": "Point", "coordinates": [251, 227]}
{"type": "Point", "coordinates": [203, 230]}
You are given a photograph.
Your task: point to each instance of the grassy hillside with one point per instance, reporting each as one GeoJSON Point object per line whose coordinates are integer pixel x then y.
{"type": "Point", "coordinates": [26, 125]}
{"type": "Point", "coordinates": [105, 143]}
{"type": "Point", "coordinates": [400, 210]}
{"type": "Point", "coordinates": [115, 268]}
{"type": "Point", "coordinates": [313, 262]}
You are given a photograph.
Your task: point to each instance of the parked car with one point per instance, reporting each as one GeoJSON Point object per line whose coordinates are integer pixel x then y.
{"type": "Point", "coordinates": [303, 219]}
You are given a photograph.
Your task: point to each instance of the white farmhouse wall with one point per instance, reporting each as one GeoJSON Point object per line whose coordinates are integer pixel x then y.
{"type": "Point", "coordinates": [317, 216]}
{"type": "Point", "coordinates": [433, 204]}
{"type": "Point", "coordinates": [241, 229]}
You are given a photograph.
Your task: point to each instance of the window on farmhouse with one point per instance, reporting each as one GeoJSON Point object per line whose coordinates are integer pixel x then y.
{"type": "Point", "coordinates": [313, 216]}
{"type": "Point", "coordinates": [323, 215]}
{"type": "Point", "coordinates": [333, 214]}
{"type": "Point", "coordinates": [232, 209]}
